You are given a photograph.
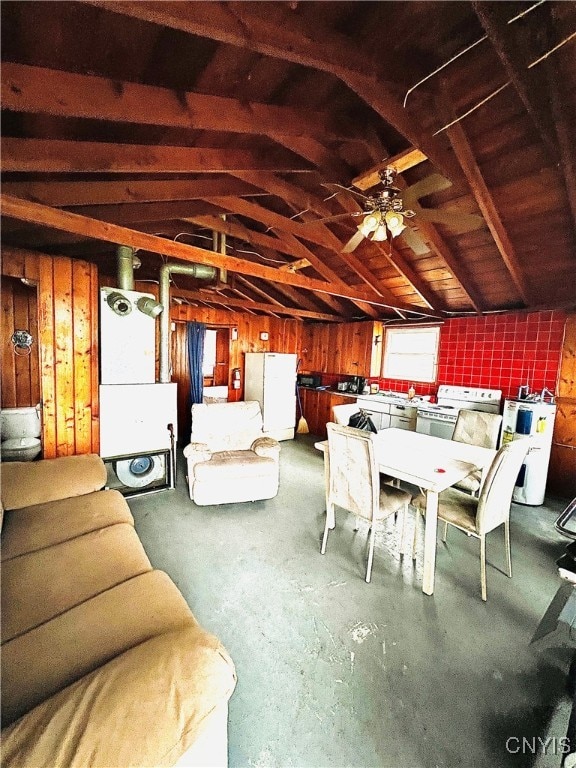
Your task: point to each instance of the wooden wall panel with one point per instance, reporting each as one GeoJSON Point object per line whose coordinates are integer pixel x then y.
{"type": "Point", "coordinates": [345, 349]}
{"type": "Point", "coordinates": [67, 367]}
{"type": "Point", "coordinates": [20, 375]}
{"type": "Point", "coordinates": [284, 335]}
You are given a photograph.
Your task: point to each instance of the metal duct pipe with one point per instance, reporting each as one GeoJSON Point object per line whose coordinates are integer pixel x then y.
{"type": "Point", "coordinates": [125, 255]}
{"type": "Point", "coordinates": [201, 271]}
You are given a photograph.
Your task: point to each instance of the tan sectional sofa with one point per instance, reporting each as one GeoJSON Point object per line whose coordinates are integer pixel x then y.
{"type": "Point", "coordinates": [103, 664]}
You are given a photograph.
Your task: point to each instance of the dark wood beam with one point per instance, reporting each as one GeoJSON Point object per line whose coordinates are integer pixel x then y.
{"type": "Point", "coordinates": [505, 41]}
{"type": "Point", "coordinates": [483, 197]}
{"type": "Point", "coordinates": [277, 34]}
{"type": "Point", "coordinates": [71, 222]}
{"type": "Point", "coordinates": [69, 193]}
{"type": "Point", "coordinates": [215, 298]}
{"type": "Point", "coordinates": [60, 156]}
{"type": "Point", "coordinates": [39, 90]}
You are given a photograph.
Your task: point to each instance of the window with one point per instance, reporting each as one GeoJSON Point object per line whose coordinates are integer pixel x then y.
{"type": "Point", "coordinates": [411, 353]}
{"type": "Point", "coordinates": [209, 359]}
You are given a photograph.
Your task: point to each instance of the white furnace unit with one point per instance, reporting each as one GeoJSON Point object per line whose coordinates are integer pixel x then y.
{"type": "Point", "coordinates": [534, 420]}
{"type": "Point", "coordinates": [138, 433]}
{"type": "Point", "coordinates": [127, 338]}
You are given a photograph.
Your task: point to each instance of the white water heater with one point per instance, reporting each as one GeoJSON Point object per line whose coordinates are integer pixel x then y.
{"type": "Point", "coordinates": [127, 338]}
{"type": "Point", "coordinates": [523, 418]}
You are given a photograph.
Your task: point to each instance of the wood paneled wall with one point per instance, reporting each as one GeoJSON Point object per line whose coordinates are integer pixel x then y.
{"type": "Point", "coordinates": [67, 348]}
{"type": "Point", "coordinates": [284, 335]}
{"type": "Point", "coordinates": [562, 476]}
{"type": "Point", "coordinates": [20, 370]}
{"type": "Point", "coordinates": [343, 349]}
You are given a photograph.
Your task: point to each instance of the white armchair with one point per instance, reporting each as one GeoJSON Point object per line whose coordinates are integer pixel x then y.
{"type": "Point", "coordinates": [228, 458]}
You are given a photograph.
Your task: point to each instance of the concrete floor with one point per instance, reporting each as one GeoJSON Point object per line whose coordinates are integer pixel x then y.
{"type": "Point", "coordinates": [336, 672]}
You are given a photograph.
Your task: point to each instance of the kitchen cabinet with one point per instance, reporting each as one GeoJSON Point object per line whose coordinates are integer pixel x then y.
{"type": "Point", "coordinates": [317, 408]}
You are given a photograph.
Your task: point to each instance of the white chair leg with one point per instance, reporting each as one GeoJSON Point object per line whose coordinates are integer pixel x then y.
{"type": "Point", "coordinates": [508, 550]}
{"type": "Point", "coordinates": [416, 527]}
{"type": "Point", "coordinates": [370, 552]}
{"type": "Point", "coordinates": [329, 518]}
{"type": "Point", "coordinates": [483, 566]}
{"type": "Point", "coordinates": [445, 532]}
{"type": "Point", "coordinates": [404, 528]}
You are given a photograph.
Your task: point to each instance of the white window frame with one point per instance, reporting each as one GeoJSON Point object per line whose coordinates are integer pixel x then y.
{"type": "Point", "coordinates": [209, 358]}
{"type": "Point", "coordinates": [411, 354]}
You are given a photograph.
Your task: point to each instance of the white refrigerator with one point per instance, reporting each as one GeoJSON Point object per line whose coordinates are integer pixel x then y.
{"type": "Point", "coordinates": [523, 418]}
{"type": "Point", "coordinates": [270, 378]}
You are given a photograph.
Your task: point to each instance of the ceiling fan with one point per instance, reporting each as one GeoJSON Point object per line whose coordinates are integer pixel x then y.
{"type": "Point", "coordinates": [387, 213]}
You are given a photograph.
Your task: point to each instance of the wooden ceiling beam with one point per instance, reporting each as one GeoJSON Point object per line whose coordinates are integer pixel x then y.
{"type": "Point", "coordinates": [291, 193]}
{"type": "Point", "coordinates": [441, 248]}
{"type": "Point", "coordinates": [39, 90]}
{"type": "Point", "coordinates": [283, 36]}
{"type": "Point", "coordinates": [71, 222]}
{"type": "Point", "coordinates": [251, 305]}
{"type": "Point", "coordinates": [70, 193]}
{"type": "Point", "coordinates": [326, 272]}
{"type": "Point", "coordinates": [483, 197]}
{"type": "Point", "coordinates": [133, 213]}
{"type": "Point", "coordinates": [514, 60]}
{"type": "Point", "coordinates": [316, 234]}
{"type": "Point", "coordinates": [61, 156]}
{"type": "Point", "coordinates": [400, 162]}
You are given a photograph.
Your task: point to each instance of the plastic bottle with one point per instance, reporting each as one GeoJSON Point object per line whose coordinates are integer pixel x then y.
{"type": "Point", "coordinates": [411, 392]}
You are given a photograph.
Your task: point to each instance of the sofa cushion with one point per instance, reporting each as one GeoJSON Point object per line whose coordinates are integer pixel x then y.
{"type": "Point", "coordinates": [226, 466]}
{"type": "Point", "coordinates": [143, 708]}
{"type": "Point", "coordinates": [26, 530]}
{"type": "Point", "coordinates": [40, 585]}
{"type": "Point", "coordinates": [25, 483]}
{"type": "Point", "coordinates": [41, 662]}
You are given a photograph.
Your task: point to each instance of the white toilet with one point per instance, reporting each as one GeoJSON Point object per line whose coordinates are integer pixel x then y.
{"type": "Point", "coordinates": [21, 430]}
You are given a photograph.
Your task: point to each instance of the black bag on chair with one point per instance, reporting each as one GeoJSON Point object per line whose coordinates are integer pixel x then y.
{"type": "Point", "coordinates": [361, 420]}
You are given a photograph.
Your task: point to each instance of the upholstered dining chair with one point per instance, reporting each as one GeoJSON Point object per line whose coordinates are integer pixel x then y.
{"type": "Point", "coordinates": [353, 483]}
{"type": "Point", "coordinates": [476, 428]}
{"type": "Point", "coordinates": [341, 413]}
{"type": "Point", "coordinates": [478, 516]}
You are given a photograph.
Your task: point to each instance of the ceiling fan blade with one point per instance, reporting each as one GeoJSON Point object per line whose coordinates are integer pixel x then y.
{"type": "Point", "coordinates": [415, 242]}
{"type": "Point", "coordinates": [353, 243]}
{"type": "Point", "coordinates": [427, 186]}
{"type": "Point", "coordinates": [459, 222]}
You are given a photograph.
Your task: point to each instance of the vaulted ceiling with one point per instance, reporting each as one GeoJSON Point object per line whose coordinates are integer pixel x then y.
{"type": "Point", "coordinates": [232, 134]}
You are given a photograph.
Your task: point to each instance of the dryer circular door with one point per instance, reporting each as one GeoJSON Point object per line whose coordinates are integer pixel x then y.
{"type": "Point", "coordinates": [140, 471]}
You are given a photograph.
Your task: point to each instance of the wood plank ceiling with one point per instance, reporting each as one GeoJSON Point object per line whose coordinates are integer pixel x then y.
{"type": "Point", "coordinates": [225, 133]}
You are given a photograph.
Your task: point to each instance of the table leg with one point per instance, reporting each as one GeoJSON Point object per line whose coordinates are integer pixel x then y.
{"type": "Point", "coordinates": [430, 542]}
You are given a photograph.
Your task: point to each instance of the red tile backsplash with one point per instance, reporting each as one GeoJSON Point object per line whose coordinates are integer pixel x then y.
{"type": "Point", "coordinates": [497, 352]}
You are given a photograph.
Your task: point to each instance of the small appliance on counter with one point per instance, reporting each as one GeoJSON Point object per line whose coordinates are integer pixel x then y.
{"type": "Point", "coordinates": [311, 380]}
{"type": "Point", "coordinates": [342, 386]}
{"type": "Point", "coordinates": [535, 420]}
{"type": "Point", "coordinates": [356, 384]}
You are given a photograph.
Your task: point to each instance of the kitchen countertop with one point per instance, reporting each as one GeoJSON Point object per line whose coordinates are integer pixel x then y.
{"type": "Point", "coordinates": [383, 397]}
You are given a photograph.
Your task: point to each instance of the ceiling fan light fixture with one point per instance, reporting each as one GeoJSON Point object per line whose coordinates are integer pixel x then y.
{"type": "Point", "coordinates": [395, 222]}
{"type": "Point", "coordinates": [369, 224]}
{"type": "Point", "coordinates": [380, 233]}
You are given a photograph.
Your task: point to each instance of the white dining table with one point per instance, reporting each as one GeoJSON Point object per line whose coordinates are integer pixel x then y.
{"type": "Point", "coordinates": [431, 463]}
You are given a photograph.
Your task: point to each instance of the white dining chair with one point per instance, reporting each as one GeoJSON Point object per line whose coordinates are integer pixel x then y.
{"type": "Point", "coordinates": [478, 516]}
{"type": "Point", "coordinates": [341, 413]}
{"type": "Point", "coordinates": [353, 483]}
{"type": "Point", "coordinates": [476, 428]}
